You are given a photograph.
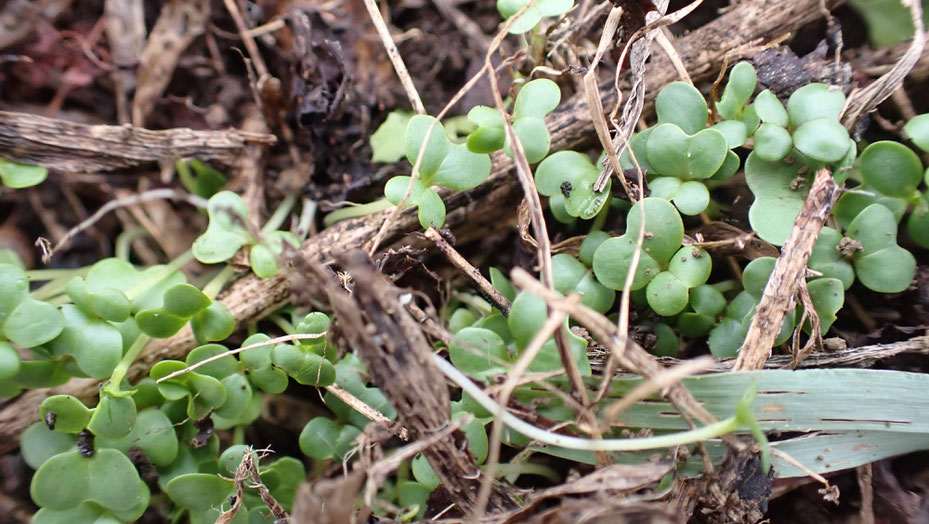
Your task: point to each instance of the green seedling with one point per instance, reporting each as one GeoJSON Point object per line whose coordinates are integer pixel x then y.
{"type": "Point", "coordinates": [443, 163]}
{"type": "Point", "coordinates": [103, 486]}
{"type": "Point", "coordinates": [534, 102]}
{"type": "Point", "coordinates": [19, 176]}
{"type": "Point", "coordinates": [227, 231]}
{"type": "Point", "coordinates": [705, 306]}
{"type": "Point", "coordinates": [23, 320]}
{"type": "Point", "coordinates": [181, 303]}
{"type": "Point", "coordinates": [532, 16]}
{"type": "Point", "coordinates": [322, 438]}
{"type": "Point", "coordinates": [571, 176]}
{"type": "Point", "coordinates": [263, 257]}
{"type": "Point", "coordinates": [665, 269]}
{"type": "Point", "coordinates": [880, 264]}
{"type": "Point", "coordinates": [527, 316]}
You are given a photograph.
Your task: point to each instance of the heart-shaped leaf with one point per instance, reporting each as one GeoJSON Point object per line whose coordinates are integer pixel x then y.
{"type": "Point", "coordinates": [431, 209]}
{"type": "Point", "coordinates": [319, 438]}
{"type": "Point", "coordinates": [538, 97]}
{"type": "Point", "coordinates": [691, 265]}
{"type": "Point", "coordinates": [199, 491]}
{"type": "Point", "coordinates": [388, 142]}
{"type": "Point", "coordinates": [613, 259]}
{"type": "Point", "coordinates": [828, 297]}
{"type": "Point", "coordinates": [881, 265]}
{"type": "Point", "coordinates": [70, 415]}
{"type": "Point", "coordinates": [672, 152]}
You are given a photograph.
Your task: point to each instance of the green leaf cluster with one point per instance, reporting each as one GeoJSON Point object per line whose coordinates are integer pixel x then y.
{"type": "Point", "coordinates": [535, 100]}
{"type": "Point", "coordinates": [532, 16]}
{"type": "Point", "coordinates": [444, 163]}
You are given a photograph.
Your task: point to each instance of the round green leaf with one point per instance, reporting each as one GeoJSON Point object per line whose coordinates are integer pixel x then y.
{"type": "Point", "coordinates": [220, 368]}
{"type": "Point", "coordinates": [777, 202]}
{"type": "Point", "coordinates": [502, 284]}
{"type": "Point", "coordinates": [269, 379]}
{"type": "Point", "coordinates": [423, 472]}
{"type": "Point", "coordinates": [477, 437]}
{"type": "Point", "coordinates": [32, 323]}
{"type": "Point", "coordinates": [199, 491]}
{"type": "Point", "coordinates": [571, 175]}
{"type": "Point", "coordinates": [770, 110]}
{"type": "Point", "coordinates": [756, 274]}
{"type": "Point", "coordinates": [891, 168]}
{"type": "Point", "coordinates": [875, 228]}
{"type": "Point", "coordinates": [664, 187]}
{"type": "Point", "coordinates": [388, 141]}
{"type": "Point", "coordinates": [436, 148]}
{"type": "Point", "coordinates": [772, 142]}
{"type": "Point", "coordinates": [681, 104]}
{"type": "Point", "coordinates": [888, 270]}
{"type": "Point", "coordinates": [18, 176]}
{"type": "Point", "coordinates": [527, 315]}
{"type": "Point", "coordinates": [460, 319]}
{"type": "Point", "coordinates": [735, 131]}
{"type": "Point", "coordinates": [227, 231]}
{"type": "Point", "coordinates": [613, 259]}
{"type": "Point", "coordinates": [70, 414]}
{"type": "Point", "coordinates": [95, 345]}
{"type": "Point", "coordinates": [153, 432]}
{"type": "Point", "coordinates": [62, 482]}
{"type": "Point", "coordinates": [318, 438]}
{"type": "Point", "coordinates": [238, 395]}
{"type": "Point", "coordinates": [822, 139]}
{"type": "Point", "coordinates": [707, 300]}
{"type": "Point", "coordinates": [694, 325]}
{"type": "Point", "coordinates": [534, 137]}
{"type": "Point", "coordinates": [826, 258]}
{"type": "Point", "coordinates": [396, 189]}
{"type": "Point", "coordinates": [726, 338]}
{"type": "Point", "coordinates": [9, 362]}
{"type": "Point", "coordinates": [213, 323]}
{"type": "Point", "coordinates": [462, 169]}
{"type": "Point", "coordinates": [595, 295]}
{"type": "Point", "coordinates": [729, 167]}
{"type": "Point", "coordinates": [692, 198]}
{"type": "Point", "coordinates": [917, 129]}
{"type": "Point", "coordinates": [259, 357]}
{"type": "Point", "coordinates": [538, 97]}
{"type": "Point", "coordinates": [692, 265]}
{"type": "Point", "coordinates": [664, 229]}
{"type": "Point", "coordinates": [918, 224]}
{"type": "Point", "coordinates": [814, 101]}
{"type": "Point", "coordinates": [667, 344]}
{"type": "Point", "coordinates": [828, 297]}
{"type": "Point", "coordinates": [39, 444]}
{"type": "Point", "coordinates": [113, 417]}
{"type": "Point", "coordinates": [431, 209]}
{"type": "Point", "coordinates": [567, 272]}
{"type": "Point", "coordinates": [589, 246]}
{"type": "Point", "coordinates": [667, 295]}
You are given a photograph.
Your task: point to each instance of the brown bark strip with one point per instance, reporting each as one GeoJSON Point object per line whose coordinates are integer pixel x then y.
{"type": "Point", "coordinates": [399, 358]}
{"type": "Point", "coordinates": [482, 208]}
{"type": "Point", "coordinates": [779, 293]}
{"type": "Point", "coordinates": [80, 148]}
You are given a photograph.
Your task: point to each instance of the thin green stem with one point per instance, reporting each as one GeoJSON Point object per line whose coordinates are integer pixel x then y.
{"type": "Point", "coordinates": [527, 468]}
{"type": "Point", "coordinates": [283, 323]}
{"type": "Point", "coordinates": [280, 214]}
{"type": "Point", "coordinates": [356, 211]}
{"type": "Point", "coordinates": [707, 432]}
{"type": "Point", "coordinates": [124, 240]}
{"type": "Point", "coordinates": [215, 285]}
{"type": "Point", "coordinates": [119, 373]}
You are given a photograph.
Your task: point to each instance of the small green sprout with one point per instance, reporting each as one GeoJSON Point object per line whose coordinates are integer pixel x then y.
{"type": "Point", "coordinates": [534, 102]}
{"type": "Point", "coordinates": [444, 164]}
{"type": "Point", "coordinates": [880, 264]}
{"type": "Point", "coordinates": [571, 176]}
{"type": "Point", "coordinates": [532, 16]}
